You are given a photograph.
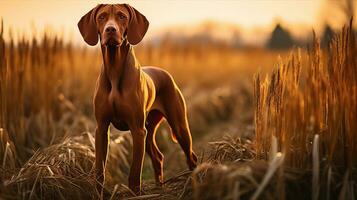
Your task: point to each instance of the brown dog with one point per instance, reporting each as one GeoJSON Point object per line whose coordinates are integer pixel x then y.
{"type": "Point", "coordinates": [129, 96]}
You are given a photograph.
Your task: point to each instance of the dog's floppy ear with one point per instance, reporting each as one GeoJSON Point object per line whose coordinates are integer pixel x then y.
{"type": "Point", "coordinates": [138, 25]}
{"type": "Point", "coordinates": [88, 27]}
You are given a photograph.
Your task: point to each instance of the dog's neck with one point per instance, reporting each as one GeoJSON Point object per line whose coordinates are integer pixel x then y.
{"type": "Point", "coordinates": [119, 65]}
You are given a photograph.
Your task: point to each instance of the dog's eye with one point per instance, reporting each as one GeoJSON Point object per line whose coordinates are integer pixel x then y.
{"type": "Point", "coordinates": [121, 16]}
{"type": "Point", "coordinates": [101, 17]}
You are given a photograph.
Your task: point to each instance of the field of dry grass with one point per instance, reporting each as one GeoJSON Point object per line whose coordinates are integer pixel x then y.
{"type": "Point", "coordinates": [266, 124]}
{"type": "Point", "coordinates": [306, 115]}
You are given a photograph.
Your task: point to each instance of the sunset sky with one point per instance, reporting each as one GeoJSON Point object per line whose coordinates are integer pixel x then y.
{"type": "Point", "coordinates": [26, 16]}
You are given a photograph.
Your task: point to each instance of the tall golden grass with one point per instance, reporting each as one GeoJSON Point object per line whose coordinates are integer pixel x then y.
{"type": "Point", "coordinates": [47, 84]}
{"type": "Point", "coordinates": [37, 79]}
{"type": "Point", "coordinates": [46, 116]}
{"type": "Point", "coordinates": [312, 112]}
{"type": "Point", "coordinates": [305, 122]}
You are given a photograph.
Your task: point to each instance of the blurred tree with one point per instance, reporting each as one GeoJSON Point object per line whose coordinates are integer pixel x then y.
{"type": "Point", "coordinates": [280, 38]}
{"type": "Point", "coordinates": [236, 39]}
{"type": "Point", "coordinates": [337, 13]}
{"type": "Point", "coordinates": [327, 36]}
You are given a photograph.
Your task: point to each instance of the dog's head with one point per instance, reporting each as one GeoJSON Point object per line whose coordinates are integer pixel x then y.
{"type": "Point", "coordinates": [113, 22]}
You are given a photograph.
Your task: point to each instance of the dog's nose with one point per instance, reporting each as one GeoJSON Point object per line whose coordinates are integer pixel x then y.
{"type": "Point", "coordinates": [110, 29]}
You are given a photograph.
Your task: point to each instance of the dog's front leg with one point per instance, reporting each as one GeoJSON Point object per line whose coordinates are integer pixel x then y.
{"type": "Point", "coordinates": [139, 137]}
{"type": "Point", "coordinates": [101, 147]}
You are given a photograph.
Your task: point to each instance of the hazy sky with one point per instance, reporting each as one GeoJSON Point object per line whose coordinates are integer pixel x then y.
{"type": "Point", "coordinates": [63, 15]}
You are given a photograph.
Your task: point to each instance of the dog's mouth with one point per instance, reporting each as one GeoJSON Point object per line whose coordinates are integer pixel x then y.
{"type": "Point", "coordinates": [111, 41]}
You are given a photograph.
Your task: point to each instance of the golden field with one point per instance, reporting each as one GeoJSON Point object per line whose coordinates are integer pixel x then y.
{"type": "Point", "coordinates": [266, 124]}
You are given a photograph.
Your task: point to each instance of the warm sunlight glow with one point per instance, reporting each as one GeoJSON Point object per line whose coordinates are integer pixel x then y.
{"type": "Point", "coordinates": [62, 16]}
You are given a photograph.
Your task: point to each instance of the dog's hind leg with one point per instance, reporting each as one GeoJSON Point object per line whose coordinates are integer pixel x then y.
{"type": "Point", "coordinates": [175, 110]}
{"type": "Point", "coordinates": [152, 122]}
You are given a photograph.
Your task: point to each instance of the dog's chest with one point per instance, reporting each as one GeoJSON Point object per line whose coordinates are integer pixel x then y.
{"type": "Point", "coordinates": [119, 103]}
{"type": "Point", "coordinates": [120, 108]}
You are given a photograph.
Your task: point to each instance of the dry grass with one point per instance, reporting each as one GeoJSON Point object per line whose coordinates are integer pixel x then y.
{"type": "Point", "coordinates": [298, 103]}
{"type": "Point", "coordinates": [46, 92]}
{"type": "Point", "coordinates": [305, 122]}
{"type": "Point", "coordinates": [65, 170]}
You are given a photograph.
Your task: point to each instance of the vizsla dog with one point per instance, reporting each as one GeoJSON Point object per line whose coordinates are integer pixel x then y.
{"type": "Point", "coordinates": [129, 96]}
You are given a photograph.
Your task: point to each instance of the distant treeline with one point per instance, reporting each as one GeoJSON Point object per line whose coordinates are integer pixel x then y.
{"type": "Point", "coordinates": [280, 38]}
